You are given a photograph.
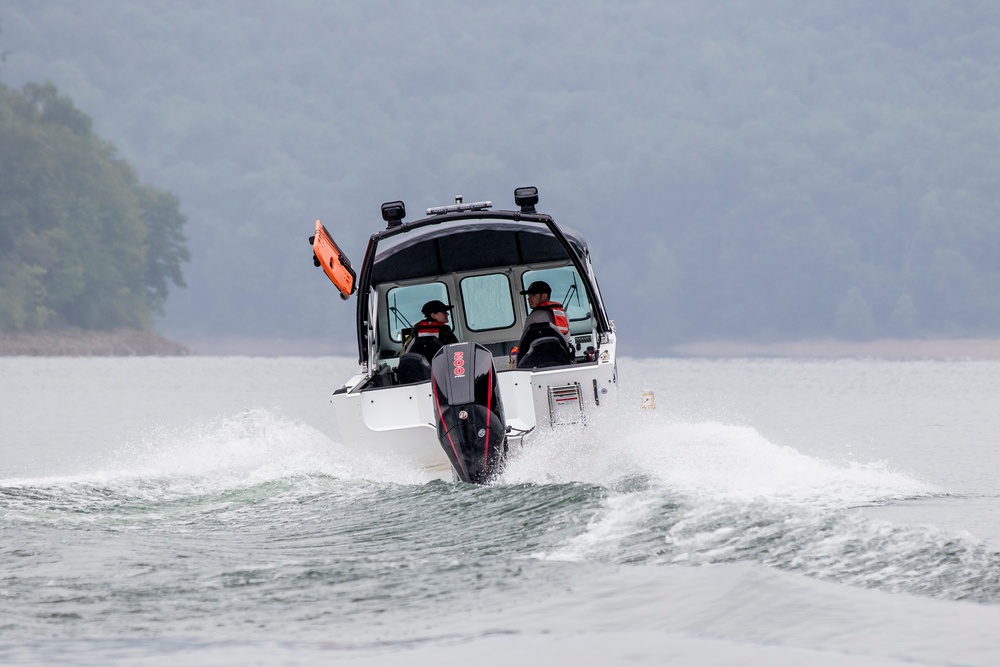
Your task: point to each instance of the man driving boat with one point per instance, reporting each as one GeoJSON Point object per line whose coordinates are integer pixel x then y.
{"type": "Point", "coordinates": [543, 309]}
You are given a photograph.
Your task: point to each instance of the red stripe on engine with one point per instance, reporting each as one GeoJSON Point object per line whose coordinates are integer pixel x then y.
{"type": "Point", "coordinates": [489, 411]}
{"type": "Point", "coordinates": [437, 404]}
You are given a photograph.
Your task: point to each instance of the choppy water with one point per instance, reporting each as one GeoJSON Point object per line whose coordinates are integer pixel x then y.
{"type": "Point", "coordinates": [204, 511]}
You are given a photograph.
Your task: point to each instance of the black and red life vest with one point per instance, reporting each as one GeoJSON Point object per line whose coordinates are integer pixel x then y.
{"type": "Point", "coordinates": [428, 328]}
{"type": "Point", "coordinates": [558, 315]}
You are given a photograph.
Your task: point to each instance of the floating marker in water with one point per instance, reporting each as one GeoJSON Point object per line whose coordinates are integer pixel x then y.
{"type": "Point", "coordinates": [648, 400]}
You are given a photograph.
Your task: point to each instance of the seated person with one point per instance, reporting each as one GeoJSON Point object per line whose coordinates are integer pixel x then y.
{"type": "Point", "coordinates": [426, 337]}
{"type": "Point", "coordinates": [543, 309]}
{"type": "Point", "coordinates": [435, 323]}
{"type": "Point", "coordinates": [545, 341]}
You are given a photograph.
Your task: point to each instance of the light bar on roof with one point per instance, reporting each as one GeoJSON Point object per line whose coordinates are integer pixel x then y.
{"type": "Point", "coordinates": [471, 206]}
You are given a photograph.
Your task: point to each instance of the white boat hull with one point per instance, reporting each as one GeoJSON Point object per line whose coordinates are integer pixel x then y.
{"type": "Point", "coordinates": [398, 422]}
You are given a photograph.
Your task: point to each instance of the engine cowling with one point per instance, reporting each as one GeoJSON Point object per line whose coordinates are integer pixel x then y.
{"type": "Point", "coordinates": [469, 411]}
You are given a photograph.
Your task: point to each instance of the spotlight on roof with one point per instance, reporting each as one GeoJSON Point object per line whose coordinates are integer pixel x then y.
{"type": "Point", "coordinates": [393, 213]}
{"type": "Point", "coordinates": [526, 198]}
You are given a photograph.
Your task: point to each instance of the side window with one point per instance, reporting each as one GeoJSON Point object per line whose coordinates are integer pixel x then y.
{"type": "Point", "coordinates": [404, 304]}
{"type": "Point", "coordinates": [567, 289]}
{"type": "Point", "coordinates": [487, 302]}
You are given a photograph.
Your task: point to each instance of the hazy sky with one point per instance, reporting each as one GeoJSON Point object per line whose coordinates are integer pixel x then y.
{"type": "Point", "coordinates": [740, 171]}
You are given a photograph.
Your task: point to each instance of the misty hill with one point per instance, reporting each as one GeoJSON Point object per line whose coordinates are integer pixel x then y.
{"type": "Point", "coordinates": [83, 244]}
{"type": "Point", "coordinates": [767, 170]}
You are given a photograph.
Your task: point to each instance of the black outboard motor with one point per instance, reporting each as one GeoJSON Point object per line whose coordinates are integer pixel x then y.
{"type": "Point", "coordinates": [469, 412]}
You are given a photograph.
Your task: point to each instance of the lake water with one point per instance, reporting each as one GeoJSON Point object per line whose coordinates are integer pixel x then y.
{"type": "Point", "coordinates": [204, 511]}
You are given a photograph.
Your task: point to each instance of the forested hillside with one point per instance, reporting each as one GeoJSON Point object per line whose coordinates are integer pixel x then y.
{"type": "Point", "coordinates": [765, 170]}
{"type": "Point", "coordinates": [82, 243]}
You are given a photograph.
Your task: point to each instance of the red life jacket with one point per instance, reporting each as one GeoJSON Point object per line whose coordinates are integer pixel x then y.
{"type": "Point", "coordinates": [428, 328]}
{"type": "Point", "coordinates": [558, 315]}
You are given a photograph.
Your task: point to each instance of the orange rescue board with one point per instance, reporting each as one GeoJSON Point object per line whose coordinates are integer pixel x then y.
{"type": "Point", "coordinates": [335, 264]}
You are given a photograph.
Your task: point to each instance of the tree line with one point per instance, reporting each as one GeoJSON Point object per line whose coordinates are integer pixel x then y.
{"type": "Point", "coordinates": [82, 242]}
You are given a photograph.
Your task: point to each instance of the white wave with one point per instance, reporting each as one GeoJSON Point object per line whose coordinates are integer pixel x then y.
{"type": "Point", "coordinates": [249, 449]}
{"type": "Point", "coordinates": [716, 471]}
{"type": "Point", "coordinates": [624, 515]}
{"type": "Point", "coordinates": [710, 460]}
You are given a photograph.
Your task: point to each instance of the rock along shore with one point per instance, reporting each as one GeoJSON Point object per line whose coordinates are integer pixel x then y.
{"type": "Point", "coordinates": [79, 343]}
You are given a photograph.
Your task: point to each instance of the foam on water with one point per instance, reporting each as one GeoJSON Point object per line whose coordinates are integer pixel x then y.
{"type": "Point", "coordinates": [709, 493]}
{"type": "Point", "coordinates": [663, 493]}
{"type": "Point", "coordinates": [252, 453]}
{"type": "Point", "coordinates": [255, 537]}
{"type": "Point", "coordinates": [709, 460]}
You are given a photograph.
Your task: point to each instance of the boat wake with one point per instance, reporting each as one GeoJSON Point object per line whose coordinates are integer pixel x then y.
{"type": "Point", "coordinates": [709, 494]}
{"type": "Point", "coordinates": [711, 461]}
{"type": "Point", "coordinates": [247, 458]}
{"type": "Point", "coordinates": [646, 492]}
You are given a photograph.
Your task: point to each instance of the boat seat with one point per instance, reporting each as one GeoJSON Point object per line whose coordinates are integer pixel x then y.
{"type": "Point", "coordinates": [426, 346]}
{"type": "Point", "coordinates": [542, 345]}
{"type": "Point", "coordinates": [415, 362]}
{"type": "Point", "coordinates": [413, 367]}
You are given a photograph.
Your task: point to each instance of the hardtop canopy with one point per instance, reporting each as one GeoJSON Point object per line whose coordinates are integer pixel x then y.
{"type": "Point", "coordinates": [441, 243]}
{"type": "Point", "coordinates": [445, 248]}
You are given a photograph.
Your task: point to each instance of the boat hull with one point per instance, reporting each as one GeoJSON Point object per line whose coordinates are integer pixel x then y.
{"type": "Point", "coordinates": [398, 423]}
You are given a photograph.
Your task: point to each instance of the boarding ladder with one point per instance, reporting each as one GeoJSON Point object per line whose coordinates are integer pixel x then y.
{"type": "Point", "coordinates": [566, 405]}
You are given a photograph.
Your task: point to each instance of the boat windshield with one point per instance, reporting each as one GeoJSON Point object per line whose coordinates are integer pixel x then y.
{"type": "Point", "coordinates": [487, 302]}
{"type": "Point", "coordinates": [405, 303]}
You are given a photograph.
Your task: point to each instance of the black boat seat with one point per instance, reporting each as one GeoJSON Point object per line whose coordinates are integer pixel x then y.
{"type": "Point", "coordinates": [542, 345]}
{"type": "Point", "coordinates": [413, 367]}
{"type": "Point", "coordinates": [415, 362]}
{"type": "Point", "coordinates": [427, 346]}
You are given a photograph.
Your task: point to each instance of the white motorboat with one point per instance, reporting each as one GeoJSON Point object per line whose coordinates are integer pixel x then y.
{"type": "Point", "coordinates": [461, 409]}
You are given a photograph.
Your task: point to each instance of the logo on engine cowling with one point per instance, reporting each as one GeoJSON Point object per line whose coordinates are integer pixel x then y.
{"type": "Point", "coordinates": [458, 363]}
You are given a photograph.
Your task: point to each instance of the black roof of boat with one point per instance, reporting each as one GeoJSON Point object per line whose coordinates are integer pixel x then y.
{"type": "Point", "coordinates": [444, 246]}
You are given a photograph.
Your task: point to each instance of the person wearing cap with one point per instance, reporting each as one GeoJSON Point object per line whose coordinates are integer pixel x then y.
{"type": "Point", "coordinates": [543, 309]}
{"type": "Point", "coordinates": [435, 322]}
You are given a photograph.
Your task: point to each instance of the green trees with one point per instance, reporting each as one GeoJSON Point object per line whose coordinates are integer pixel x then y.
{"type": "Point", "coordinates": [82, 242]}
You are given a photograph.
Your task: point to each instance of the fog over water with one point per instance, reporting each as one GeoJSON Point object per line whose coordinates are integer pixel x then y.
{"type": "Point", "coordinates": [764, 171]}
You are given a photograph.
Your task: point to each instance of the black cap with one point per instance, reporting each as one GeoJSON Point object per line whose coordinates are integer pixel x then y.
{"type": "Point", "coordinates": [538, 287]}
{"type": "Point", "coordinates": [435, 306]}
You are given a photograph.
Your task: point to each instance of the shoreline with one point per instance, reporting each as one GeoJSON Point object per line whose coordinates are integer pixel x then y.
{"type": "Point", "coordinates": [895, 349]}
{"type": "Point", "coordinates": [132, 342]}
{"type": "Point", "coordinates": [80, 343]}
